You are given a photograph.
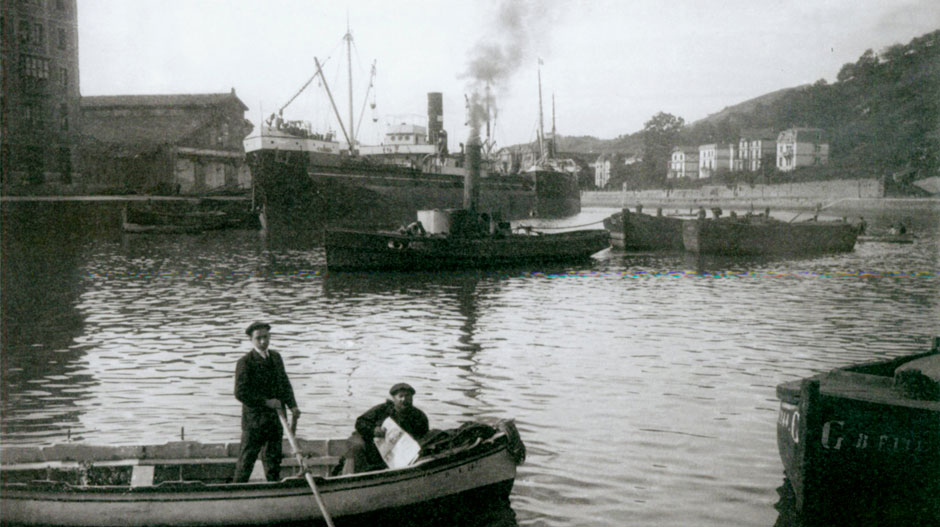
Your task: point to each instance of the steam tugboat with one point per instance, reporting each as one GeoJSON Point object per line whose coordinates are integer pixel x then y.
{"type": "Point", "coordinates": [463, 238]}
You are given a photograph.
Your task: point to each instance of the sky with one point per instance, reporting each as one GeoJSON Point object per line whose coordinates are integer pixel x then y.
{"type": "Point", "coordinates": [610, 65]}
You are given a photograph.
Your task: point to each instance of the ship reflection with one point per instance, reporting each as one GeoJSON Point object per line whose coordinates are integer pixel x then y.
{"type": "Point", "coordinates": [881, 512]}
{"type": "Point", "coordinates": [41, 289]}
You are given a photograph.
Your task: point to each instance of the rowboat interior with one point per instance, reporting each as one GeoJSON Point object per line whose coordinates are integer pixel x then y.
{"type": "Point", "coordinates": [150, 465]}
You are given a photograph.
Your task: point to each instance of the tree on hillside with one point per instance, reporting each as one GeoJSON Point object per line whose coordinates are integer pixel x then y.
{"type": "Point", "coordinates": [660, 135]}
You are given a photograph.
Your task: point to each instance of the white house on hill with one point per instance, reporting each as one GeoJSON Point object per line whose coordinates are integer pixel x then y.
{"type": "Point", "coordinates": [799, 147]}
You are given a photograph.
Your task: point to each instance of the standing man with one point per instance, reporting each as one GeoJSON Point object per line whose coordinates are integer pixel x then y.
{"type": "Point", "coordinates": [262, 386]}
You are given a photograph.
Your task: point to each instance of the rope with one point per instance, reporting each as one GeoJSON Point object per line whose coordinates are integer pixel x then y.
{"type": "Point", "coordinates": [559, 228]}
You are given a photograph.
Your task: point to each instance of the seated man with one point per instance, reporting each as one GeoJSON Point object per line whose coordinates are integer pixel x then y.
{"type": "Point", "coordinates": [362, 454]}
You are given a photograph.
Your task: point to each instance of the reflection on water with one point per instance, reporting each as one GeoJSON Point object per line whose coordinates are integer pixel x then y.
{"type": "Point", "coordinates": [882, 513]}
{"type": "Point", "coordinates": [642, 383]}
{"type": "Point", "coordinates": [477, 509]}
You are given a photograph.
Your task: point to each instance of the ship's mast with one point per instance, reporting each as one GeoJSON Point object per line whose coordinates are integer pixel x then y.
{"type": "Point", "coordinates": [348, 37]}
{"type": "Point", "coordinates": [541, 124]}
{"type": "Point", "coordinates": [551, 151]}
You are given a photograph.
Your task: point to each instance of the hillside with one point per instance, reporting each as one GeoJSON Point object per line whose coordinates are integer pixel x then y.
{"type": "Point", "coordinates": [882, 115]}
{"type": "Point", "coordinates": [749, 106]}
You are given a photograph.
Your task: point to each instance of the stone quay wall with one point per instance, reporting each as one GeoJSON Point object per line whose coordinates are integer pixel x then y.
{"type": "Point", "coordinates": [835, 197]}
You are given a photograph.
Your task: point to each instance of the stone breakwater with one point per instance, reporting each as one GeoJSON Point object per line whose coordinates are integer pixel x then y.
{"type": "Point", "coordinates": [838, 197]}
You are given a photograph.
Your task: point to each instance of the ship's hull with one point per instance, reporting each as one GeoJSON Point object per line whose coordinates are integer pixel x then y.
{"type": "Point", "coordinates": [352, 250]}
{"type": "Point", "coordinates": [639, 231]}
{"type": "Point", "coordinates": [303, 187]}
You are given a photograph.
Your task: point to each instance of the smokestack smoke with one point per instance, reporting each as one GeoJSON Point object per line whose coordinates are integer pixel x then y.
{"type": "Point", "coordinates": [499, 55]}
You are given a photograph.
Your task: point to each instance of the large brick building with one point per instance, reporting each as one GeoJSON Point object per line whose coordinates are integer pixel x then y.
{"type": "Point", "coordinates": [39, 99]}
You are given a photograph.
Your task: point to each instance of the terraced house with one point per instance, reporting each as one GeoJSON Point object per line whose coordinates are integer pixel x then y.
{"type": "Point", "coordinates": [712, 158]}
{"type": "Point", "coordinates": [801, 147]}
{"type": "Point", "coordinates": [683, 162]}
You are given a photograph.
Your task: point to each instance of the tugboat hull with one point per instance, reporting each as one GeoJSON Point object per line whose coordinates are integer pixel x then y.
{"type": "Point", "coordinates": [358, 250]}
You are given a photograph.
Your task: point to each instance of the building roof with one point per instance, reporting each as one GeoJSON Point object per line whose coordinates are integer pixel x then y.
{"type": "Point", "coordinates": [762, 133]}
{"type": "Point", "coordinates": [800, 134]}
{"type": "Point", "coordinates": [140, 129]}
{"type": "Point", "coordinates": [168, 100]}
{"type": "Point", "coordinates": [136, 134]}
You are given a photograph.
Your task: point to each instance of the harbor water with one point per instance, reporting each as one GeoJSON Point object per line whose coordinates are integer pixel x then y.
{"type": "Point", "coordinates": [642, 383]}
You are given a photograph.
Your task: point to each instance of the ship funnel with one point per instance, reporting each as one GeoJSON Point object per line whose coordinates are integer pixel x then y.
{"type": "Point", "coordinates": [435, 117]}
{"type": "Point", "coordinates": [471, 187]}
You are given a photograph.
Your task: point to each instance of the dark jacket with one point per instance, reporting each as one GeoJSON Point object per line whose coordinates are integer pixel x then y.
{"type": "Point", "coordinates": [410, 420]}
{"type": "Point", "coordinates": [258, 379]}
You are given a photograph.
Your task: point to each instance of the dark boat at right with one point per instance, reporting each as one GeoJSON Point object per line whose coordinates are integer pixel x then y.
{"type": "Point", "coordinates": [757, 235]}
{"type": "Point", "coordinates": [864, 435]}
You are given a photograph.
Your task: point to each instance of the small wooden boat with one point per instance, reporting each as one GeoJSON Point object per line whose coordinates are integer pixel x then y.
{"type": "Point", "coordinates": [151, 220]}
{"type": "Point", "coordinates": [864, 432]}
{"type": "Point", "coordinates": [188, 483]}
{"type": "Point", "coordinates": [887, 238]}
{"type": "Point", "coordinates": [464, 244]}
{"type": "Point", "coordinates": [762, 235]}
{"type": "Point", "coordinates": [640, 231]}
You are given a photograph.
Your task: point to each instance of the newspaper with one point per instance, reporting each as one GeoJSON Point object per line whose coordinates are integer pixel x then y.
{"type": "Point", "coordinates": [398, 449]}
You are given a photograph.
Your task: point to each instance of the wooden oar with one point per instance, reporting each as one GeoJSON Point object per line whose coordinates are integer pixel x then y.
{"type": "Point", "coordinates": [300, 460]}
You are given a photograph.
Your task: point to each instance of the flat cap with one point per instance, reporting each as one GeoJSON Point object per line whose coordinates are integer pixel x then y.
{"type": "Point", "coordinates": [400, 387]}
{"type": "Point", "coordinates": [257, 325]}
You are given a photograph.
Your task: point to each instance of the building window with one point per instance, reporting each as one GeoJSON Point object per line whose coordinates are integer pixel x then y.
{"type": "Point", "coordinates": [23, 32]}
{"type": "Point", "coordinates": [32, 115]}
{"type": "Point", "coordinates": [63, 39]}
{"type": "Point", "coordinates": [35, 67]}
{"type": "Point", "coordinates": [64, 117]}
{"type": "Point", "coordinates": [38, 34]}
{"type": "Point", "coordinates": [64, 162]}
{"type": "Point", "coordinates": [60, 5]}
{"type": "Point", "coordinates": [64, 77]}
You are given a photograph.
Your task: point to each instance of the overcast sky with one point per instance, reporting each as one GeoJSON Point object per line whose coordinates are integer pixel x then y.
{"type": "Point", "coordinates": [611, 64]}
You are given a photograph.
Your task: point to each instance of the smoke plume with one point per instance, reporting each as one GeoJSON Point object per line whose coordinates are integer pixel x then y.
{"type": "Point", "coordinates": [502, 50]}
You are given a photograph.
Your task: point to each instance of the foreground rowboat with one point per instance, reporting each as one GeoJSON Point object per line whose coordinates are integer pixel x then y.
{"type": "Point", "coordinates": [864, 433]}
{"type": "Point", "coordinates": [186, 483]}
